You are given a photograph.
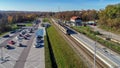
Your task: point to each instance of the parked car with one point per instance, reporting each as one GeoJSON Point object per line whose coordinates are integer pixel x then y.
{"type": "Point", "coordinates": [21, 45]}
{"type": "Point", "coordinates": [12, 32]}
{"type": "Point", "coordinates": [11, 42]}
{"type": "Point", "coordinates": [25, 37]}
{"type": "Point", "coordinates": [19, 30]}
{"type": "Point", "coordinates": [5, 36]}
{"type": "Point", "coordinates": [9, 47]}
{"type": "Point", "coordinates": [28, 35]}
{"type": "Point", "coordinates": [20, 35]}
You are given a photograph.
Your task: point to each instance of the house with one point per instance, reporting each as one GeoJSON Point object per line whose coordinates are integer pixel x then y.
{"type": "Point", "coordinates": [76, 21]}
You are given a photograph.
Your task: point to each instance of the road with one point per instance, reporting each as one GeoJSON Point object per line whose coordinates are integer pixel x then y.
{"type": "Point", "coordinates": [109, 57]}
{"type": "Point", "coordinates": [106, 33]}
{"type": "Point", "coordinates": [22, 59]}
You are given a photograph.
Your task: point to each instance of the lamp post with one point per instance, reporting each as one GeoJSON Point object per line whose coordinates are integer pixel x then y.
{"type": "Point", "coordinates": [95, 55]}
{"type": "Point", "coordinates": [95, 51]}
{"type": "Point", "coordinates": [1, 53]}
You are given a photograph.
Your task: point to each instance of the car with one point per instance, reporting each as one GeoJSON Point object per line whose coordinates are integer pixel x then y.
{"type": "Point", "coordinates": [94, 24]}
{"type": "Point", "coordinates": [12, 32]}
{"type": "Point", "coordinates": [9, 47]}
{"type": "Point", "coordinates": [25, 37]}
{"type": "Point", "coordinates": [21, 45]}
{"type": "Point", "coordinates": [28, 35]}
{"type": "Point", "coordinates": [6, 36]}
{"type": "Point", "coordinates": [39, 38]}
{"type": "Point", "coordinates": [20, 35]}
{"type": "Point", "coordinates": [11, 42]}
{"type": "Point", "coordinates": [19, 30]}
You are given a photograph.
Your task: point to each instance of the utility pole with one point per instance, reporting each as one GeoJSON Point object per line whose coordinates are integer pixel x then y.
{"type": "Point", "coordinates": [95, 51]}
{"type": "Point", "coordinates": [95, 55]}
{"type": "Point", "coordinates": [1, 54]}
{"type": "Point", "coordinates": [2, 58]}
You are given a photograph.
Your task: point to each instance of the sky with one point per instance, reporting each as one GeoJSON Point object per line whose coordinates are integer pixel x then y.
{"type": "Point", "coordinates": [54, 5]}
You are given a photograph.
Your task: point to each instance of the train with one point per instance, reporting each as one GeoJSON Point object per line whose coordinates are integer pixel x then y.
{"type": "Point", "coordinates": [66, 29]}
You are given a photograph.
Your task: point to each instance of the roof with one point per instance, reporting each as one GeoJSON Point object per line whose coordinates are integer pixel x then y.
{"type": "Point", "coordinates": [74, 17]}
{"type": "Point", "coordinates": [40, 32]}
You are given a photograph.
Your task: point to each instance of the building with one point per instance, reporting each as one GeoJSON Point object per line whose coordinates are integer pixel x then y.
{"type": "Point", "coordinates": [76, 21]}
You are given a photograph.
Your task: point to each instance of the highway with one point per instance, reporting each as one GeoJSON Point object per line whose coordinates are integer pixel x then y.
{"type": "Point", "coordinates": [109, 57]}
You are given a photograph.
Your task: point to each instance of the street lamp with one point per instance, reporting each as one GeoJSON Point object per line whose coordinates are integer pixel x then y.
{"type": "Point", "coordinates": [95, 51]}
{"type": "Point", "coordinates": [95, 55]}
{"type": "Point", "coordinates": [1, 53]}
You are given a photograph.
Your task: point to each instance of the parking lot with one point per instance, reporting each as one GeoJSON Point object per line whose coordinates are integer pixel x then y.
{"type": "Point", "coordinates": [18, 49]}
{"type": "Point", "coordinates": [10, 56]}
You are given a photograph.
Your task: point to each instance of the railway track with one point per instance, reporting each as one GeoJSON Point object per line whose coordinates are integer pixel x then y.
{"type": "Point", "coordinates": [82, 51]}
{"type": "Point", "coordinates": [90, 56]}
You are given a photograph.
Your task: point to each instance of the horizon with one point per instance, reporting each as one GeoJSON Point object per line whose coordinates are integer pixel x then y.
{"type": "Point", "coordinates": [54, 5]}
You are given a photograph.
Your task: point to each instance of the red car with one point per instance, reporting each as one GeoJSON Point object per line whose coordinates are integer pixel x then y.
{"type": "Point", "coordinates": [11, 42]}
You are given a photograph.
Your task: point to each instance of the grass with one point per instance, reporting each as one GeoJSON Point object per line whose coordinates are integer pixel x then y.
{"type": "Point", "coordinates": [48, 63]}
{"type": "Point", "coordinates": [91, 34]}
{"type": "Point", "coordinates": [45, 20]}
{"type": "Point", "coordinates": [14, 27]}
{"type": "Point", "coordinates": [29, 24]}
{"type": "Point", "coordinates": [64, 55]}
{"type": "Point", "coordinates": [2, 34]}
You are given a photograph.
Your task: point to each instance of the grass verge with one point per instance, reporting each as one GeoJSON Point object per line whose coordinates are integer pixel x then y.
{"type": "Point", "coordinates": [64, 55]}
{"type": "Point", "coordinates": [48, 63]}
{"type": "Point", "coordinates": [46, 20]}
{"type": "Point", "coordinates": [91, 34]}
{"type": "Point", "coordinates": [29, 24]}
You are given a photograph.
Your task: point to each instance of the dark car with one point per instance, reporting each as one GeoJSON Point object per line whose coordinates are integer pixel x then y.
{"type": "Point", "coordinates": [21, 45]}
{"type": "Point", "coordinates": [5, 36]}
{"type": "Point", "coordinates": [9, 47]}
{"type": "Point", "coordinates": [26, 38]}
{"type": "Point", "coordinates": [28, 35]}
{"type": "Point", "coordinates": [19, 30]}
{"type": "Point", "coordinates": [12, 32]}
{"type": "Point", "coordinates": [20, 35]}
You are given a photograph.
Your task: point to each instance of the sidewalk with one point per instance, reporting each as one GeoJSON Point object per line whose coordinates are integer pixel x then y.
{"type": "Point", "coordinates": [36, 58]}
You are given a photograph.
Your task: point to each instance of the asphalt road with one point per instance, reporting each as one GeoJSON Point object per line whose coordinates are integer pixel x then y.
{"type": "Point", "coordinates": [107, 33]}
{"type": "Point", "coordinates": [22, 59]}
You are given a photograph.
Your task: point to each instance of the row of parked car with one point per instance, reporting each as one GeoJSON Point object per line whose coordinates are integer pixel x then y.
{"type": "Point", "coordinates": [12, 33]}
{"type": "Point", "coordinates": [24, 34]}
